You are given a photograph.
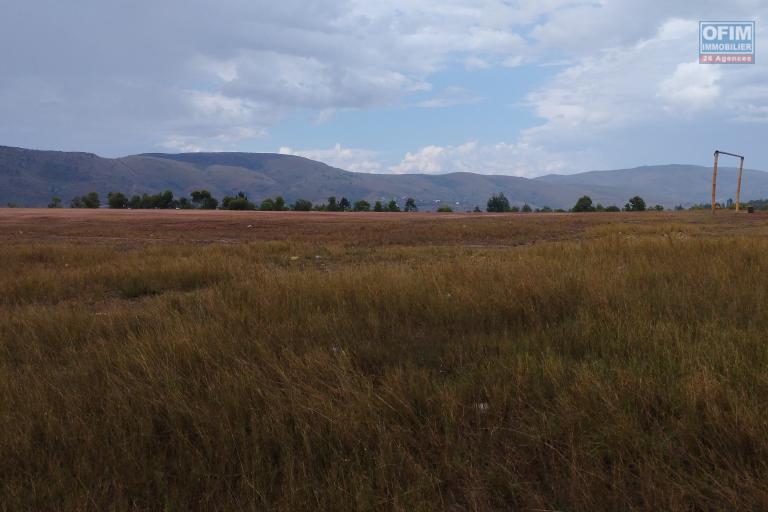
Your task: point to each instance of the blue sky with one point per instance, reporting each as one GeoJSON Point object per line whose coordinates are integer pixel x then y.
{"type": "Point", "coordinates": [492, 86]}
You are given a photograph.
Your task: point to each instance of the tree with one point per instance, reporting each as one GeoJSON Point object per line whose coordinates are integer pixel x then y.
{"type": "Point", "coordinates": [514, 209]}
{"type": "Point", "coordinates": [361, 206]}
{"type": "Point", "coordinates": [166, 200]}
{"type": "Point", "coordinates": [410, 205]}
{"type": "Point", "coordinates": [392, 206]}
{"type": "Point", "coordinates": [378, 207]}
{"type": "Point", "coordinates": [636, 204]}
{"type": "Point", "coordinates": [344, 205]}
{"type": "Point", "coordinates": [135, 202]}
{"type": "Point", "coordinates": [498, 203]}
{"type": "Point", "coordinates": [612, 208]}
{"type": "Point", "coordinates": [658, 208]}
{"type": "Point", "coordinates": [545, 209]}
{"type": "Point", "coordinates": [238, 202]}
{"type": "Point", "coordinates": [445, 209]}
{"type": "Point", "coordinates": [477, 209]}
{"type": "Point", "coordinates": [280, 204]}
{"type": "Point", "coordinates": [332, 206]}
{"type": "Point", "coordinates": [117, 200]}
{"type": "Point", "coordinates": [584, 204]}
{"type": "Point", "coordinates": [302, 205]}
{"type": "Point", "coordinates": [184, 203]}
{"type": "Point", "coordinates": [267, 205]}
{"type": "Point", "coordinates": [55, 202]}
{"type": "Point", "coordinates": [599, 207]}
{"type": "Point", "coordinates": [204, 200]}
{"type": "Point", "coordinates": [89, 200]}
{"type": "Point", "coordinates": [526, 208]}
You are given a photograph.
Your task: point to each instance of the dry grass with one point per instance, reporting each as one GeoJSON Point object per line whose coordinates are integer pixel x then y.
{"type": "Point", "coordinates": [619, 368]}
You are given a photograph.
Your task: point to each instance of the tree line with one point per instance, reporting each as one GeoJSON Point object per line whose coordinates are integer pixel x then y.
{"type": "Point", "coordinates": [499, 203]}
{"type": "Point", "coordinates": [203, 200]}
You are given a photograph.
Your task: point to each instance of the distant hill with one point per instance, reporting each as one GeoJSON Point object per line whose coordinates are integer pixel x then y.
{"type": "Point", "coordinates": [669, 184]}
{"type": "Point", "coordinates": [31, 177]}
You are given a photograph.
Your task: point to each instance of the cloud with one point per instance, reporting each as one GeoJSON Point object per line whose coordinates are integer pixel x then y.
{"type": "Point", "coordinates": [691, 87]}
{"type": "Point", "coordinates": [150, 73]}
{"type": "Point", "coordinates": [355, 160]}
{"type": "Point", "coordinates": [517, 159]}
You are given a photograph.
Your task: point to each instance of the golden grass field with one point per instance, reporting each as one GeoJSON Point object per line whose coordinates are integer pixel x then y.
{"type": "Point", "coordinates": [186, 361]}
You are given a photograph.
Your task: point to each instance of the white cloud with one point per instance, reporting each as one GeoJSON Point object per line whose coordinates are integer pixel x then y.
{"type": "Point", "coordinates": [691, 87]}
{"type": "Point", "coordinates": [517, 159]}
{"type": "Point", "coordinates": [355, 160]}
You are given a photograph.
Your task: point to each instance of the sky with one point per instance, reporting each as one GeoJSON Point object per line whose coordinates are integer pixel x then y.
{"type": "Point", "coordinates": [518, 87]}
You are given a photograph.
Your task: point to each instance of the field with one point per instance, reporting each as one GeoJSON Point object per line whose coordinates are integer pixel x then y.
{"type": "Point", "coordinates": [190, 360]}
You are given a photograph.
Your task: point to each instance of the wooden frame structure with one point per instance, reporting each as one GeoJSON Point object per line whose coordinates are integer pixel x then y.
{"type": "Point", "coordinates": [714, 178]}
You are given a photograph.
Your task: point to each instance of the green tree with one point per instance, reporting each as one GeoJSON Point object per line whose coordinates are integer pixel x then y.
{"type": "Point", "coordinates": [658, 208]}
{"type": "Point", "coordinates": [333, 205]}
{"type": "Point", "coordinates": [55, 202]}
{"type": "Point", "coordinates": [477, 209]}
{"type": "Point", "coordinates": [584, 204]}
{"type": "Point", "coordinates": [498, 203]}
{"type": "Point", "coordinates": [280, 204]}
{"type": "Point", "coordinates": [166, 200]}
{"type": "Point", "coordinates": [267, 205]}
{"type": "Point", "coordinates": [636, 204]}
{"type": "Point", "coordinates": [361, 206]}
{"type": "Point", "coordinates": [204, 200]}
{"type": "Point", "coordinates": [445, 209]}
{"type": "Point", "coordinates": [392, 206]}
{"type": "Point", "coordinates": [526, 208]}
{"type": "Point", "coordinates": [89, 200]}
{"type": "Point", "coordinates": [612, 208]}
{"type": "Point", "coordinates": [410, 205]}
{"type": "Point", "coordinates": [238, 202]}
{"type": "Point", "coordinates": [345, 205]}
{"type": "Point", "coordinates": [117, 200]}
{"type": "Point", "coordinates": [378, 207]}
{"type": "Point", "coordinates": [302, 205]}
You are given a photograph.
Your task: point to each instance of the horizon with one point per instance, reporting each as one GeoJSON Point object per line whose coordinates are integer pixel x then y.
{"type": "Point", "coordinates": [572, 172]}
{"type": "Point", "coordinates": [421, 86]}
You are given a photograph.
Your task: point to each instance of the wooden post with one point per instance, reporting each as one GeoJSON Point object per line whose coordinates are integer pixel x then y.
{"type": "Point", "coordinates": [714, 181]}
{"type": "Point", "coordinates": [738, 187]}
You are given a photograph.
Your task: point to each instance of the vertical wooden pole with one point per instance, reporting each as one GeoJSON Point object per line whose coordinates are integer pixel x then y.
{"type": "Point", "coordinates": [714, 181]}
{"type": "Point", "coordinates": [738, 187]}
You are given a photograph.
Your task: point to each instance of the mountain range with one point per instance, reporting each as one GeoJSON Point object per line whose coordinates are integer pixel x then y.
{"type": "Point", "coordinates": [31, 177]}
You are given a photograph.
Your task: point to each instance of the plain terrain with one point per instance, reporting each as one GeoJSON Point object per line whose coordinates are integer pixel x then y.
{"type": "Point", "coordinates": [185, 360]}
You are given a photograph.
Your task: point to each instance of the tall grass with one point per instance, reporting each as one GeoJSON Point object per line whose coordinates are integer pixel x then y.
{"type": "Point", "coordinates": [622, 372]}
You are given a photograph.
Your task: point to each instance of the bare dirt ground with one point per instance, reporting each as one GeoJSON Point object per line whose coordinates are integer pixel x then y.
{"type": "Point", "coordinates": [484, 229]}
